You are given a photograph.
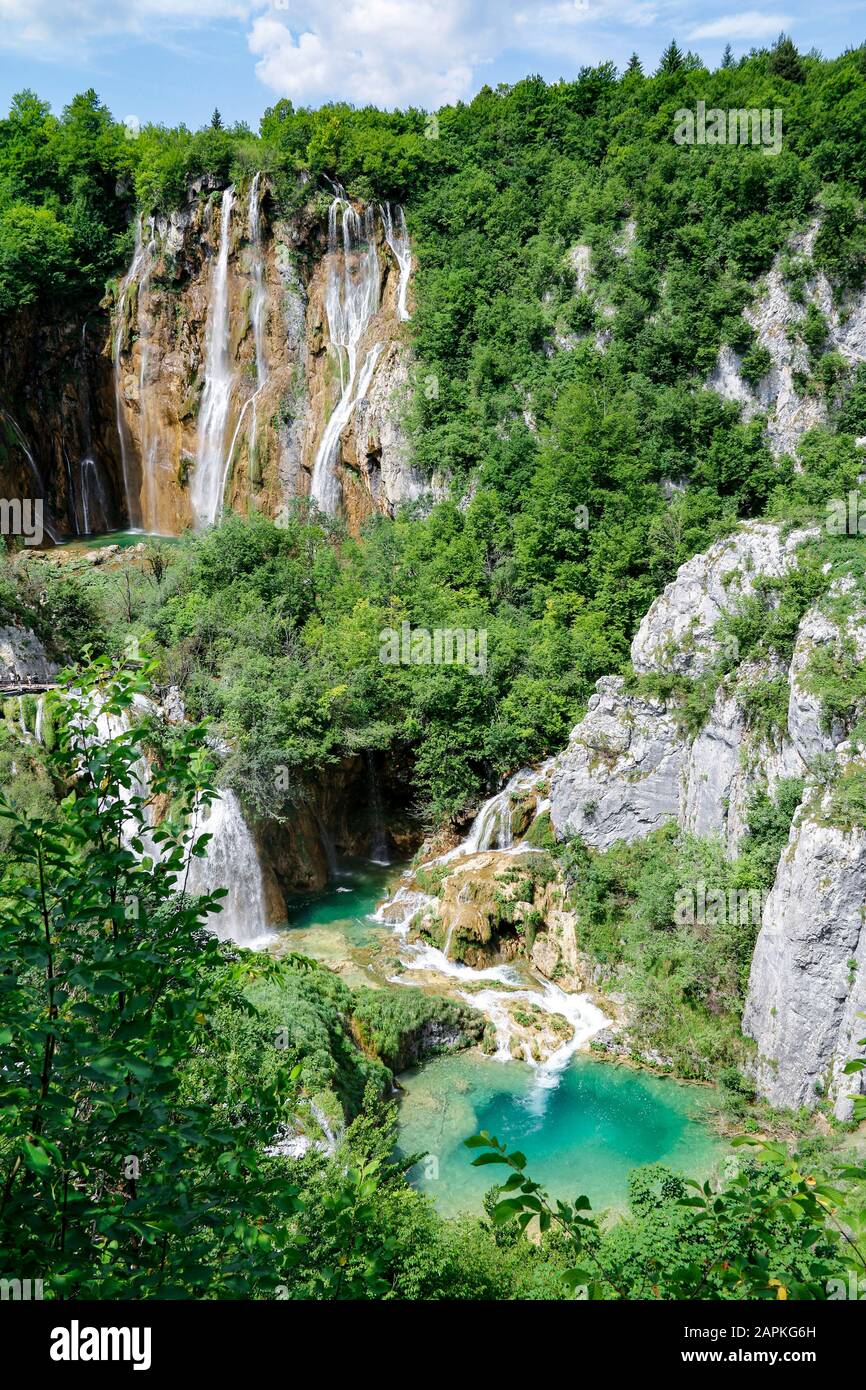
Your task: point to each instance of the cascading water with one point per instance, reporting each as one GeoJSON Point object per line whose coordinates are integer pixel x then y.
{"type": "Point", "coordinates": [95, 508]}
{"type": "Point", "coordinates": [149, 432]}
{"type": "Point", "coordinates": [258, 301]}
{"type": "Point", "coordinates": [351, 300]}
{"type": "Point", "coordinates": [492, 830]}
{"type": "Point", "coordinates": [231, 862]}
{"type": "Point", "coordinates": [133, 509]}
{"type": "Point", "coordinates": [231, 859]}
{"type": "Point", "coordinates": [397, 238]}
{"type": "Point", "coordinates": [209, 476]}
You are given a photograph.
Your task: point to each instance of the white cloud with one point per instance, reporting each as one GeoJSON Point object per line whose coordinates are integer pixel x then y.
{"type": "Point", "coordinates": [387, 52]}
{"type": "Point", "coordinates": [749, 24]}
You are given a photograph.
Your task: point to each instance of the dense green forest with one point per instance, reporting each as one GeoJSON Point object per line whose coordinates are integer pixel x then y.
{"type": "Point", "coordinates": [138, 1034]}
{"type": "Point", "coordinates": [510, 181]}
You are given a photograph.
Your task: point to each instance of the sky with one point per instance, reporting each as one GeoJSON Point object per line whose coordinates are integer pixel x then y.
{"type": "Point", "coordinates": [176, 60]}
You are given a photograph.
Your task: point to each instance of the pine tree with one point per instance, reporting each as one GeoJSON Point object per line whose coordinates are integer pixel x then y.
{"type": "Point", "coordinates": [672, 58]}
{"type": "Point", "coordinates": [635, 67]}
{"type": "Point", "coordinates": [785, 60]}
{"type": "Point", "coordinates": [216, 120]}
{"type": "Point", "coordinates": [728, 57]}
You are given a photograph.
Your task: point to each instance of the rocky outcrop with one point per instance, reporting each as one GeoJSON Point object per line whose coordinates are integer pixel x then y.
{"type": "Point", "coordinates": [619, 778]}
{"type": "Point", "coordinates": [679, 632]}
{"type": "Point", "coordinates": [776, 318]}
{"type": "Point", "coordinates": [808, 979]}
{"type": "Point", "coordinates": [23, 659]}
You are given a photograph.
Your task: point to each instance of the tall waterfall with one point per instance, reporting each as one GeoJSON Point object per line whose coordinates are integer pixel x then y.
{"type": "Point", "coordinates": [208, 478]}
{"type": "Point", "coordinates": [351, 300]}
{"type": "Point", "coordinates": [397, 238]}
{"type": "Point", "coordinates": [231, 862]}
{"type": "Point", "coordinates": [149, 434]}
{"type": "Point", "coordinates": [133, 509]}
{"type": "Point", "coordinates": [258, 302]}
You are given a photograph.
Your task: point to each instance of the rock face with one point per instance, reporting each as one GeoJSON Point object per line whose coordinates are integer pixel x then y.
{"type": "Point", "coordinates": [776, 318]}
{"type": "Point", "coordinates": [808, 976]}
{"type": "Point", "coordinates": [58, 431]}
{"type": "Point", "coordinates": [23, 659]}
{"type": "Point", "coordinates": [629, 768]}
{"type": "Point", "coordinates": [105, 419]}
{"type": "Point", "coordinates": [619, 778]}
{"type": "Point", "coordinates": [284, 376]}
{"type": "Point", "coordinates": [677, 633]}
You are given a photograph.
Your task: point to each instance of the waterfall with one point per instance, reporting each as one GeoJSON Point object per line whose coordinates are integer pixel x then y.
{"type": "Point", "coordinates": [149, 436]}
{"type": "Point", "coordinates": [258, 302]}
{"type": "Point", "coordinates": [209, 476]}
{"type": "Point", "coordinates": [95, 510]}
{"type": "Point", "coordinates": [351, 300]}
{"type": "Point", "coordinates": [231, 862]}
{"type": "Point", "coordinates": [379, 838]}
{"type": "Point", "coordinates": [132, 503]}
{"type": "Point", "coordinates": [231, 859]}
{"type": "Point", "coordinates": [491, 828]}
{"type": "Point", "coordinates": [397, 238]}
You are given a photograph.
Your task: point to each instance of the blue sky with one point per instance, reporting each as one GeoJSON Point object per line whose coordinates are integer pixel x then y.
{"type": "Point", "coordinates": [175, 60]}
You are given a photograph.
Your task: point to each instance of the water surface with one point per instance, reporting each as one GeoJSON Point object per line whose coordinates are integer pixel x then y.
{"type": "Point", "coordinates": [582, 1134]}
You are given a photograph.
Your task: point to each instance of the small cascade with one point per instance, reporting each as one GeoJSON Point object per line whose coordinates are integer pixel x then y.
{"type": "Point", "coordinates": [379, 838]}
{"type": "Point", "coordinates": [231, 862]}
{"type": "Point", "coordinates": [133, 509]}
{"type": "Point", "coordinates": [492, 826]}
{"type": "Point", "coordinates": [95, 506]}
{"type": "Point", "coordinates": [351, 300]}
{"type": "Point", "coordinates": [209, 476]}
{"type": "Point", "coordinates": [397, 238]}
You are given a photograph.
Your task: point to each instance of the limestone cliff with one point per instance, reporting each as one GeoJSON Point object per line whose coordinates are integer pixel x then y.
{"type": "Point", "coordinates": [792, 404]}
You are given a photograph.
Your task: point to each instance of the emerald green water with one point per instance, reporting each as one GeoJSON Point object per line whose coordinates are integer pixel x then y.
{"type": "Point", "coordinates": [333, 925]}
{"type": "Point", "coordinates": [583, 1136]}
{"type": "Point", "coordinates": [123, 539]}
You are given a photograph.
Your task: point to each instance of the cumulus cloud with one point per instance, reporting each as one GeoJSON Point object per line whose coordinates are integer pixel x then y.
{"type": "Point", "coordinates": [748, 24]}
{"type": "Point", "coordinates": [391, 52]}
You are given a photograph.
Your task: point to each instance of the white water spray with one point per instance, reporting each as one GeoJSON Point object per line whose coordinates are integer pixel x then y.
{"type": "Point", "coordinates": [351, 300]}
{"type": "Point", "coordinates": [231, 862]}
{"type": "Point", "coordinates": [209, 477]}
{"type": "Point", "coordinates": [133, 509]}
{"type": "Point", "coordinates": [397, 238]}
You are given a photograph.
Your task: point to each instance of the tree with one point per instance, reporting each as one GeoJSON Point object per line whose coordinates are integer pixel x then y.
{"type": "Point", "coordinates": [672, 59]}
{"type": "Point", "coordinates": [216, 120]}
{"type": "Point", "coordinates": [117, 1180]}
{"type": "Point", "coordinates": [635, 67]}
{"type": "Point", "coordinates": [728, 57]}
{"type": "Point", "coordinates": [785, 60]}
